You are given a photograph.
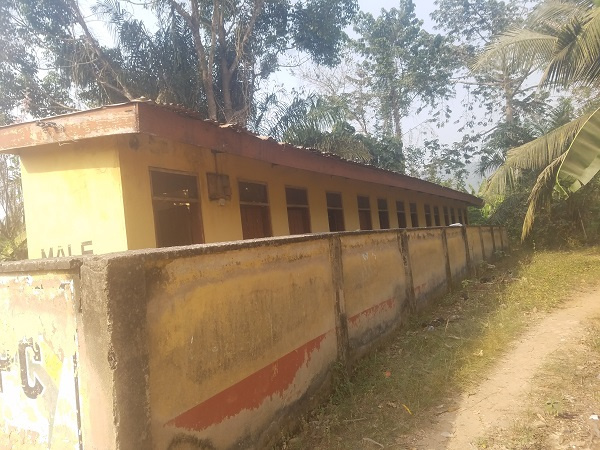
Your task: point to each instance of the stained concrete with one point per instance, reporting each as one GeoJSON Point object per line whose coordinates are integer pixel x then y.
{"type": "Point", "coordinates": [227, 345]}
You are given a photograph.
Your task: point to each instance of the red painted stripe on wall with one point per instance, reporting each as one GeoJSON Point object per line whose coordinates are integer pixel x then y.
{"type": "Point", "coordinates": [388, 304]}
{"type": "Point", "coordinates": [250, 392]}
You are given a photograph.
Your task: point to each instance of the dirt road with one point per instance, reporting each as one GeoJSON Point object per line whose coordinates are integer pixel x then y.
{"type": "Point", "coordinates": [498, 399]}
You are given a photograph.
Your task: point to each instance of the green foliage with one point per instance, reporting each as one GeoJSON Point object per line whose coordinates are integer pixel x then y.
{"type": "Point", "coordinates": [402, 64]}
{"type": "Point", "coordinates": [208, 56]}
{"type": "Point", "coordinates": [559, 224]}
{"type": "Point", "coordinates": [563, 40]}
{"type": "Point", "coordinates": [317, 28]}
{"type": "Point", "coordinates": [501, 110]}
{"type": "Point", "coordinates": [472, 23]}
{"type": "Point", "coordinates": [386, 152]}
{"type": "Point", "coordinates": [12, 227]}
{"type": "Point", "coordinates": [321, 123]}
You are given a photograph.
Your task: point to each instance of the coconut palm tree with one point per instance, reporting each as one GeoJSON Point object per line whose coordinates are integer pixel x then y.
{"type": "Point", "coordinates": [562, 39]}
{"type": "Point", "coordinates": [311, 122]}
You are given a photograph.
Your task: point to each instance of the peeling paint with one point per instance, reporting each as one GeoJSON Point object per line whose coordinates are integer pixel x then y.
{"type": "Point", "coordinates": [249, 393]}
{"type": "Point", "coordinates": [37, 386]}
{"type": "Point", "coordinates": [373, 310]}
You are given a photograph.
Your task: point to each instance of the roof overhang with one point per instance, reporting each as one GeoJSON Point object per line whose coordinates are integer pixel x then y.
{"type": "Point", "coordinates": [582, 162]}
{"type": "Point", "coordinates": [184, 126]}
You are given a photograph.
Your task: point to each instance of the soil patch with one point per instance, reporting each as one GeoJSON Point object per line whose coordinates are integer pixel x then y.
{"type": "Point", "coordinates": [498, 399]}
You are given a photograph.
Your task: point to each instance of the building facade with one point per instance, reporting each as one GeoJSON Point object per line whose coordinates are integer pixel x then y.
{"type": "Point", "coordinates": [140, 175]}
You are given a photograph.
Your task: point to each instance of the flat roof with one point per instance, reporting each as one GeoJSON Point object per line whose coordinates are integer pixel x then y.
{"type": "Point", "coordinates": [182, 125]}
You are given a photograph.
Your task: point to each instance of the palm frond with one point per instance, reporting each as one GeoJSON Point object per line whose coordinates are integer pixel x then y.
{"type": "Point", "coordinates": [575, 57]}
{"type": "Point", "coordinates": [588, 61]}
{"type": "Point", "coordinates": [519, 48]}
{"type": "Point", "coordinates": [347, 147]}
{"type": "Point", "coordinates": [552, 14]}
{"type": "Point", "coordinates": [534, 155]}
{"type": "Point", "coordinates": [541, 193]}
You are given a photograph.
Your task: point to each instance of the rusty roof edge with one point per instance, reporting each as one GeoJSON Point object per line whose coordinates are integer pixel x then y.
{"type": "Point", "coordinates": [410, 179]}
{"type": "Point", "coordinates": [401, 181]}
{"type": "Point", "coordinates": [142, 110]}
{"type": "Point", "coordinates": [70, 127]}
{"type": "Point", "coordinates": [73, 113]}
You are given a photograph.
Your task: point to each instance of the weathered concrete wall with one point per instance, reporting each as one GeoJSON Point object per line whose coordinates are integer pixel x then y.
{"type": "Point", "coordinates": [498, 238]}
{"type": "Point", "coordinates": [457, 252]}
{"type": "Point", "coordinates": [429, 279]}
{"type": "Point", "coordinates": [475, 244]}
{"type": "Point", "coordinates": [374, 285]}
{"type": "Point", "coordinates": [205, 347]}
{"type": "Point", "coordinates": [487, 238]}
{"type": "Point", "coordinates": [241, 335]}
{"type": "Point", "coordinates": [505, 242]}
{"type": "Point", "coordinates": [39, 406]}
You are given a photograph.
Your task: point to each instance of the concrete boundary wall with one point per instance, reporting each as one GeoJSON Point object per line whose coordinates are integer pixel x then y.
{"type": "Point", "coordinates": [208, 347]}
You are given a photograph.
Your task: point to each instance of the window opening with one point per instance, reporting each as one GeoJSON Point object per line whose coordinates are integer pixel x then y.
{"type": "Point", "coordinates": [384, 216]}
{"type": "Point", "coordinates": [427, 216]}
{"type": "Point", "coordinates": [298, 211]}
{"type": "Point", "coordinates": [452, 216]}
{"type": "Point", "coordinates": [466, 216]}
{"type": "Point", "coordinates": [414, 217]}
{"type": "Point", "coordinates": [436, 216]}
{"type": "Point", "coordinates": [401, 213]}
{"type": "Point", "coordinates": [176, 207]}
{"type": "Point", "coordinates": [254, 209]}
{"type": "Point", "coordinates": [335, 211]}
{"type": "Point", "coordinates": [364, 212]}
{"type": "Point", "coordinates": [446, 217]}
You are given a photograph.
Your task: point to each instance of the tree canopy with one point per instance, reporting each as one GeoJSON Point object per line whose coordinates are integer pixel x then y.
{"type": "Point", "coordinates": [526, 74]}
{"type": "Point", "coordinates": [562, 40]}
{"type": "Point", "coordinates": [206, 55]}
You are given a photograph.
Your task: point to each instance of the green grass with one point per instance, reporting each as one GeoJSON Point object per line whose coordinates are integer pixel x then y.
{"type": "Point", "coordinates": [399, 387]}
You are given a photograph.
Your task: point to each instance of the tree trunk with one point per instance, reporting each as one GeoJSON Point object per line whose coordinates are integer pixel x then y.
{"type": "Point", "coordinates": [509, 94]}
{"type": "Point", "coordinates": [205, 77]}
{"type": "Point", "coordinates": [396, 116]}
{"type": "Point", "coordinates": [227, 103]}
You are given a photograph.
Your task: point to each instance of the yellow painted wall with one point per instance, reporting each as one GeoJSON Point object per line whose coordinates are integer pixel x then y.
{"type": "Point", "coordinates": [73, 197]}
{"type": "Point", "coordinates": [100, 191]}
{"type": "Point", "coordinates": [223, 223]}
{"type": "Point", "coordinates": [226, 344]}
{"type": "Point", "coordinates": [488, 242]}
{"type": "Point", "coordinates": [216, 319]}
{"type": "Point", "coordinates": [456, 252]}
{"type": "Point", "coordinates": [44, 417]}
{"type": "Point", "coordinates": [374, 284]}
{"type": "Point", "coordinates": [425, 246]}
{"type": "Point", "coordinates": [222, 323]}
{"type": "Point", "coordinates": [497, 233]}
{"type": "Point", "coordinates": [475, 250]}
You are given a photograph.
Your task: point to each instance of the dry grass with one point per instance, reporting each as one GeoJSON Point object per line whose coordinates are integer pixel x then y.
{"type": "Point", "coordinates": [397, 389]}
{"type": "Point", "coordinates": [557, 412]}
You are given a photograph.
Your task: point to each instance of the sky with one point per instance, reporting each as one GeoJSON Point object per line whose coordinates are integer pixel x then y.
{"type": "Point", "coordinates": [416, 130]}
{"type": "Point", "coordinates": [423, 9]}
{"type": "Point", "coordinates": [415, 126]}
{"type": "Point", "coordinates": [448, 133]}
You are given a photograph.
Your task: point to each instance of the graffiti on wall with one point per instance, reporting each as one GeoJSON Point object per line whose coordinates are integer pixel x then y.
{"type": "Point", "coordinates": [68, 250]}
{"type": "Point", "coordinates": [39, 404]}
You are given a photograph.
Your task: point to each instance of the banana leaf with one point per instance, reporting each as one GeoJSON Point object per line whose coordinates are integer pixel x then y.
{"type": "Point", "coordinates": [582, 162]}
